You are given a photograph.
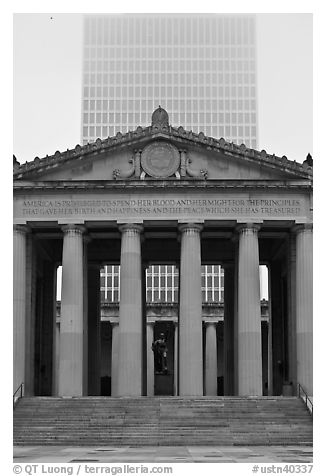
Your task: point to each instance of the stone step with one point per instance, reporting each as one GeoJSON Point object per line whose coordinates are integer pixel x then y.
{"type": "Point", "coordinates": [161, 421]}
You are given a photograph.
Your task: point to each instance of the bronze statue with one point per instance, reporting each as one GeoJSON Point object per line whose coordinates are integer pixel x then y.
{"type": "Point", "coordinates": [160, 350]}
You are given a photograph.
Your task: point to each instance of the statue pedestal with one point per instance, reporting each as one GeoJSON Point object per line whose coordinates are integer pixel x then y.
{"type": "Point", "coordinates": [163, 384]}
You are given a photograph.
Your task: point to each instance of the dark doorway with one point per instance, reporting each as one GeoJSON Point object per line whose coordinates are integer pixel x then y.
{"type": "Point", "coordinates": [163, 381]}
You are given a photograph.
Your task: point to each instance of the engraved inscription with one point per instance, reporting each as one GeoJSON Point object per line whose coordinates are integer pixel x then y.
{"type": "Point", "coordinates": [164, 207]}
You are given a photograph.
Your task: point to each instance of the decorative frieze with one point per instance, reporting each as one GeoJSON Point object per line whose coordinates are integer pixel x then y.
{"type": "Point", "coordinates": [160, 160]}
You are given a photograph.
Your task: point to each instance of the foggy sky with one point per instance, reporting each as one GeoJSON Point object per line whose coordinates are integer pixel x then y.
{"type": "Point", "coordinates": [48, 84]}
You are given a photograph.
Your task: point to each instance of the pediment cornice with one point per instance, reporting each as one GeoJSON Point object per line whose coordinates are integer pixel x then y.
{"type": "Point", "coordinates": [101, 185]}
{"type": "Point", "coordinates": [141, 136]}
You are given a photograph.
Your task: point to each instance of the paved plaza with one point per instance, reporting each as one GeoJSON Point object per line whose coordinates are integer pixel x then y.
{"type": "Point", "coordinates": [161, 454]}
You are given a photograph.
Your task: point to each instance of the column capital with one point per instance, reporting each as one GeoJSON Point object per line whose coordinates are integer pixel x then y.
{"type": "Point", "coordinates": [22, 229]}
{"type": "Point", "coordinates": [247, 227]}
{"type": "Point", "coordinates": [190, 228]}
{"type": "Point", "coordinates": [299, 228]}
{"type": "Point", "coordinates": [73, 229]}
{"type": "Point", "coordinates": [210, 323]}
{"type": "Point", "coordinates": [131, 227]}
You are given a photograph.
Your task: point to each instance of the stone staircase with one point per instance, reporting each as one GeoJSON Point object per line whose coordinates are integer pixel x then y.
{"type": "Point", "coordinates": [164, 421]}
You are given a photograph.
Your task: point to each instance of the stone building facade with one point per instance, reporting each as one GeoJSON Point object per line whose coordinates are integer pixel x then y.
{"type": "Point", "coordinates": [168, 195]}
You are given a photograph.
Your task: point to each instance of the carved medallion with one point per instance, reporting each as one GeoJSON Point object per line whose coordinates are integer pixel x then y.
{"type": "Point", "coordinates": [160, 160]}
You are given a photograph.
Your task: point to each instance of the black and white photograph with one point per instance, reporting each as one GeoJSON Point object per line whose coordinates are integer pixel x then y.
{"type": "Point", "coordinates": [162, 242]}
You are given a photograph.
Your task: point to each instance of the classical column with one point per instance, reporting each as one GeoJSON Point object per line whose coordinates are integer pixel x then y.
{"type": "Point", "coordinates": [211, 359]}
{"type": "Point", "coordinates": [55, 340]}
{"type": "Point", "coordinates": [130, 312]}
{"type": "Point", "coordinates": [228, 327]}
{"type": "Point", "coordinates": [71, 367]}
{"type": "Point", "coordinates": [94, 330]}
{"type": "Point", "coordinates": [276, 328]}
{"type": "Point", "coordinates": [31, 263]}
{"type": "Point", "coordinates": [47, 330]}
{"type": "Point", "coordinates": [150, 358]}
{"type": "Point", "coordinates": [304, 306]}
{"type": "Point", "coordinates": [114, 358]}
{"type": "Point", "coordinates": [176, 360]}
{"type": "Point", "coordinates": [236, 316]}
{"type": "Point", "coordinates": [190, 322]}
{"type": "Point", "coordinates": [291, 299]}
{"type": "Point", "coordinates": [57, 360]}
{"type": "Point", "coordinates": [270, 338]}
{"type": "Point", "coordinates": [86, 240]}
{"type": "Point", "coordinates": [19, 303]}
{"type": "Point", "coordinates": [249, 325]}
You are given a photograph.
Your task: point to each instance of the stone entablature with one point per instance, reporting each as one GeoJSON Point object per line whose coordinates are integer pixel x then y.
{"type": "Point", "coordinates": [162, 173]}
{"type": "Point", "coordinates": [193, 203]}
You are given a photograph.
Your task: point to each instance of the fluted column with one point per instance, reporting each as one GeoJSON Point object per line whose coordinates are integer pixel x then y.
{"type": "Point", "coordinates": [211, 359]}
{"type": "Point", "coordinates": [47, 342]}
{"type": "Point", "coordinates": [29, 388]}
{"type": "Point", "coordinates": [304, 307]}
{"type": "Point", "coordinates": [229, 329]}
{"type": "Point", "coordinates": [94, 330]}
{"type": "Point", "coordinates": [190, 334]}
{"type": "Point", "coordinates": [114, 358]}
{"type": "Point", "coordinates": [71, 366]}
{"type": "Point", "coordinates": [130, 313]}
{"type": "Point", "coordinates": [19, 303]}
{"type": "Point", "coordinates": [150, 358]}
{"type": "Point", "coordinates": [249, 325]}
{"type": "Point", "coordinates": [291, 300]}
{"type": "Point", "coordinates": [236, 316]}
{"type": "Point", "coordinates": [57, 359]}
{"type": "Point", "coordinates": [176, 360]}
{"type": "Point", "coordinates": [86, 240]}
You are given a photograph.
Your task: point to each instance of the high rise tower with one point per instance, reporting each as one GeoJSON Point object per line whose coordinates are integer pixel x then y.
{"type": "Point", "coordinates": [200, 68]}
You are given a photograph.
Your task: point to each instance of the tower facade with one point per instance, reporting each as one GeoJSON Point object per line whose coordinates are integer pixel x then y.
{"type": "Point", "coordinates": [200, 68]}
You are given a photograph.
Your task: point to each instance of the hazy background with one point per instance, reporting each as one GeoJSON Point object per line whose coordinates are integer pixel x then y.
{"type": "Point", "coordinates": [47, 86]}
{"type": "Point", "coordinates": [47, 104]}
{"type": "Point", "coordinates": [47, 60]}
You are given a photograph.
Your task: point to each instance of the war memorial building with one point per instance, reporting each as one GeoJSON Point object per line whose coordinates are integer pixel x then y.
{"type": "Point", "coordinates": [162, 194]}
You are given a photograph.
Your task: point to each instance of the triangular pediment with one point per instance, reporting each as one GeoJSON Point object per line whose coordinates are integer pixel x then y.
{"type": "Point", "coordinates": [161, 152]}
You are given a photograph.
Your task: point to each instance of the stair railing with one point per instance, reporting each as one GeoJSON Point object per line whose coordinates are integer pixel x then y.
{"type": "Point", "coordinates": [20, 392]}
{"type": "Point", "coordinates": [304, 396]}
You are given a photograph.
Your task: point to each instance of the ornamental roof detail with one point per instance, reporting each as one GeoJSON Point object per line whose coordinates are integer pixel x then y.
{"type": "Point", "coordinates": [161, 130]}
{"type": "Point", "coordinates": [160, 118]}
